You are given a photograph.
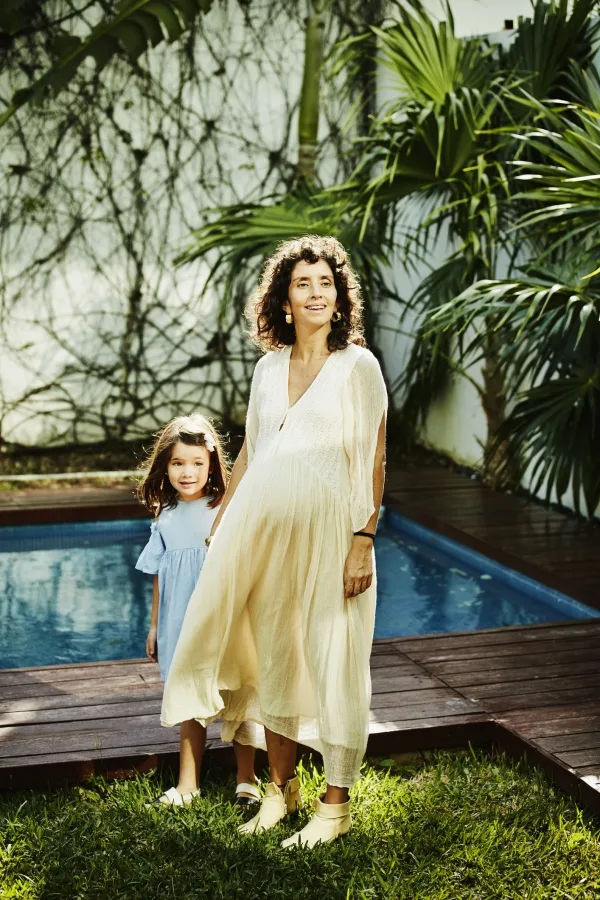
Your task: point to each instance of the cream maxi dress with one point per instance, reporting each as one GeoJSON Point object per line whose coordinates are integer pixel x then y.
{"type": "Point", "coordinates": [268, 637]}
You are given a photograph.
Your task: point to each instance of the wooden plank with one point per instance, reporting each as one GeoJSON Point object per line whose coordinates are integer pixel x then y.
{"type": "Point", "coordinates": [463, 680]}
{"type": "Point", "coordinates": [537, 701]}
{"type": "Point", "coordinates": [380, 660]}
{"type": "Point", "coordinates": [559, 743]}
{"type": "Point", "coordinates": [60, 675]}
{"type": "Point", "coordinates": [76, 701]}
{"type": "Point", "coordinates": [593, 771]}
{"type": "Point", "coordinates": [563, 645]}
{"type": "Point", "coordinates": [83, 686]}
{"type": "Point", "coordinates": [538, 685]}
{"type": "Point", "coordinates": [553, 714]}
{"type": "Point", "coordinates": [410, 683]}
{"type": "Point", "coordinates": [390, 680]}
{"type": "Point", "coordinates": [576, 758]}
{"type": "Point", "coordinates": [138, 749]}
{"type": "Point", "coordinates": [554, 727]}
{"type": "Point", "coordinates": [393, 721]}
{"type": "Point", "coordinates": [510, 662]}
{"type": "Point", "coordinates": [92, 741]}
{"type": "Point", "coordinates": [398, 698]}
{"type": "Point", "coordinates": [400, 669]}
{"type": "Point", "coordinates": [425, 710]}
{"type": "Point", "coordinates": [385, 646]}
{"type": "Point", "coordinates": [485, 637]}
{"type": "Point", "coordinates": [59, 667]}
{"type": "Point", "coordinates": [91, 710]}
{"type": "Point", "coordinates": [32, 730]}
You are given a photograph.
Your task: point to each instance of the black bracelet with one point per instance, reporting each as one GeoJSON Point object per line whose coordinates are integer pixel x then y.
{"type": "Point", "coordinates": [364, 534]}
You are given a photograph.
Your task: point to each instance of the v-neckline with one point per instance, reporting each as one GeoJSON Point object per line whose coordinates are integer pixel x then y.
{"type": "Point", "coordinates": [291, 406]}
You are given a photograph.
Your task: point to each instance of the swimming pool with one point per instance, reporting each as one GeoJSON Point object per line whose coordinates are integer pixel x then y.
{"type": "Point", "coordinates": [70, 593]}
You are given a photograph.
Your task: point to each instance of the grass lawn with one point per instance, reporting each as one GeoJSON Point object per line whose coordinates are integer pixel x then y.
{"type": "Point", "coordinates": [461, 825]}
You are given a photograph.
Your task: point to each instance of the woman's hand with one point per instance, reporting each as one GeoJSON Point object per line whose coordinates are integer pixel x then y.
{"type": "Point", "coordinates": [358, 571]}
{"type": "Point", "coordinates": [151, 647]}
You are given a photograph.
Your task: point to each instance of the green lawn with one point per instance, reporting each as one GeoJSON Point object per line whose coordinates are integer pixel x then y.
{"type": "Point", "coordinates": [464, 825]}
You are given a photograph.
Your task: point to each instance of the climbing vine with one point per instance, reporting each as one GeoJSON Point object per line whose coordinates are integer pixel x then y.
{"type": "Point", "coordinates": [101, 338]}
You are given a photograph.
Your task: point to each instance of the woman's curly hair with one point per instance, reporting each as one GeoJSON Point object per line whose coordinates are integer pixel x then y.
{"type": "Point", "coordinates": [266, 314]}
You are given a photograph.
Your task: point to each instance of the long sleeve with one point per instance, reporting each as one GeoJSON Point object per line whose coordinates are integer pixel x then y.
{"type": "Point", "coordinates": [153, 552]}
{"type": "Point", "coordinates": [365, 403]}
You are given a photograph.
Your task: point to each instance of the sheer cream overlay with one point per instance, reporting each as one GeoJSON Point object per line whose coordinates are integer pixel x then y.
{"type": "Point", "coordinates": [269, 638]}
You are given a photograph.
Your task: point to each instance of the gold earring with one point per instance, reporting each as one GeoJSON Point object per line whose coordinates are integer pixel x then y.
{"type": "Point", "coordinates": [336, 316]}
{"type": "Point", "coordinates": [289, 318]}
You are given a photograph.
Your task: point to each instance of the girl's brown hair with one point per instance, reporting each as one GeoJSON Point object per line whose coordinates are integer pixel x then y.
{"type": "Point", "coordinates": [155, 490]}
{"type": "Point", "coordinates": [265, 312]}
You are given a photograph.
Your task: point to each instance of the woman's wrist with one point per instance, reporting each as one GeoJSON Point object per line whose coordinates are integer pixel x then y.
{"type": "Point", "coordinates": [366, 536]}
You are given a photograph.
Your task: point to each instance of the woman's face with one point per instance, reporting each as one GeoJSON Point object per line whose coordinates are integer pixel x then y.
{"type": "Point", "coordinates": [188, 470]}
{"type": "Point", "coordinates": [311, 295]}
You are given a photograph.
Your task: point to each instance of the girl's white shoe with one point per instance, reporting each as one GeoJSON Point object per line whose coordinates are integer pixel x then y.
{"type": "Point", "coordinates": [172, 797]}
{"type": "Point", "coordinates": [329, 822]}
{"type": "Point", "coordinates": [276, 805]}
{"type": "Point", "coordinates": [241, 794]}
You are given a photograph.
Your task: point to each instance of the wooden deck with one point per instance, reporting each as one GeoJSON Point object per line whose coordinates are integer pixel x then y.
{"type": "Point", "coordinates": [557, 549]}
{"type": "Point", "coordinates": [534, 690]}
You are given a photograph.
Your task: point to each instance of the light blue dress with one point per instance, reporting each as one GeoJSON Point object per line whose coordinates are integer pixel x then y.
{"type": "Point", "coordinates": [176, 552]}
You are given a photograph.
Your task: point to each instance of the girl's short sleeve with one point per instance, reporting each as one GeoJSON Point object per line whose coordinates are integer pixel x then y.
{"type": "Point", "coordinates": [252, 414]}
{"type": "Point", "coordinates": [153, 552]}
{"type": "Point", "coordinates": [364, 406]}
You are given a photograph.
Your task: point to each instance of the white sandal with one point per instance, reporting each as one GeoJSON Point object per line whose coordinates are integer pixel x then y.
{"type": "Point", "coordinates": [245, 788]}
{"type": "Point", "coordinates": [172, 797]}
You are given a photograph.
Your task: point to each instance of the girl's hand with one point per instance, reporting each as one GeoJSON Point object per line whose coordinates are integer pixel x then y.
{"type": "Point", "coordinates": [151, 648]}
{"type": "Point", "coordinates": [358, 571]}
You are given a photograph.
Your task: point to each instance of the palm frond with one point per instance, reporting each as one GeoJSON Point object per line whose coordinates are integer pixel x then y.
{"type": "Point", "coordinates": [238, 240]}
{"type": "Point", "coordinates": [547, 44]}
{"type": "Point", "coordinates": [427, 60]}
{"type": "Point", "coordinates": [554, 430]}
{"type": "Point", "coordinates": [550, 347]}
{"type": "Point", "coordinates": [565, 186]}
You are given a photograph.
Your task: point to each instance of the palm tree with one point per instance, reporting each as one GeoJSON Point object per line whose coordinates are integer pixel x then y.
{"type": "Point", "coordinates": [548, 316]}
{"type": "Point", "coordinates": [447, 141]}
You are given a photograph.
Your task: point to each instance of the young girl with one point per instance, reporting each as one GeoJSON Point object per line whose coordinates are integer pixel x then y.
{"type": "Point", "coordinates": [183, 486]}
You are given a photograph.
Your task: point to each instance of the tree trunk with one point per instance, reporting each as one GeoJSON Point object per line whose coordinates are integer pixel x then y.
{"type": "Point", "coordinates": [308, 118]}
{"type": "Point", "coordinates": [494, 401]}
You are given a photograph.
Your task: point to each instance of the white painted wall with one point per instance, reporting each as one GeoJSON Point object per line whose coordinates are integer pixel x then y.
{"type": "Point", "coordinates": [480, 16]}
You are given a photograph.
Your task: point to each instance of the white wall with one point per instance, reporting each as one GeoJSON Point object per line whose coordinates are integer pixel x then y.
{"type": "Point", "coordinates": [480, 16]}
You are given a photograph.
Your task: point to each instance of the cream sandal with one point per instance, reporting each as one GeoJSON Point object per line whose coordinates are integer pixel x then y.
{"type": "Point", "coordinates": [172, 797]}
{"type": "Point", "coordinates": [330, 821]}
{"type": "Point", "coordinates": [275, 806]}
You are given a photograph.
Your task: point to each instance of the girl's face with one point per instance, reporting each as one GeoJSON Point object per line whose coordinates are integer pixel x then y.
{"type": "Point", "coordinates": [188, 470]}
{"type": "Point", "coordinates": [311, 295]}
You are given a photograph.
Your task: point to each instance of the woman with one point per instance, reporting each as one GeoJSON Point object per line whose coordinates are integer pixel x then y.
{"type": "Point", "coordinates": [279, 629]}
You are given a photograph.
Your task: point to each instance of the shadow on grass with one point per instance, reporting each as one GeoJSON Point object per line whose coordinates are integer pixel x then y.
{"type": "Point", "coordinates": [459, 826]}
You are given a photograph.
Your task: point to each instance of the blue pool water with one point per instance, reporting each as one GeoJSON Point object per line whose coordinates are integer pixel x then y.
{"type": "Point", "coordinates": [70, 593]}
